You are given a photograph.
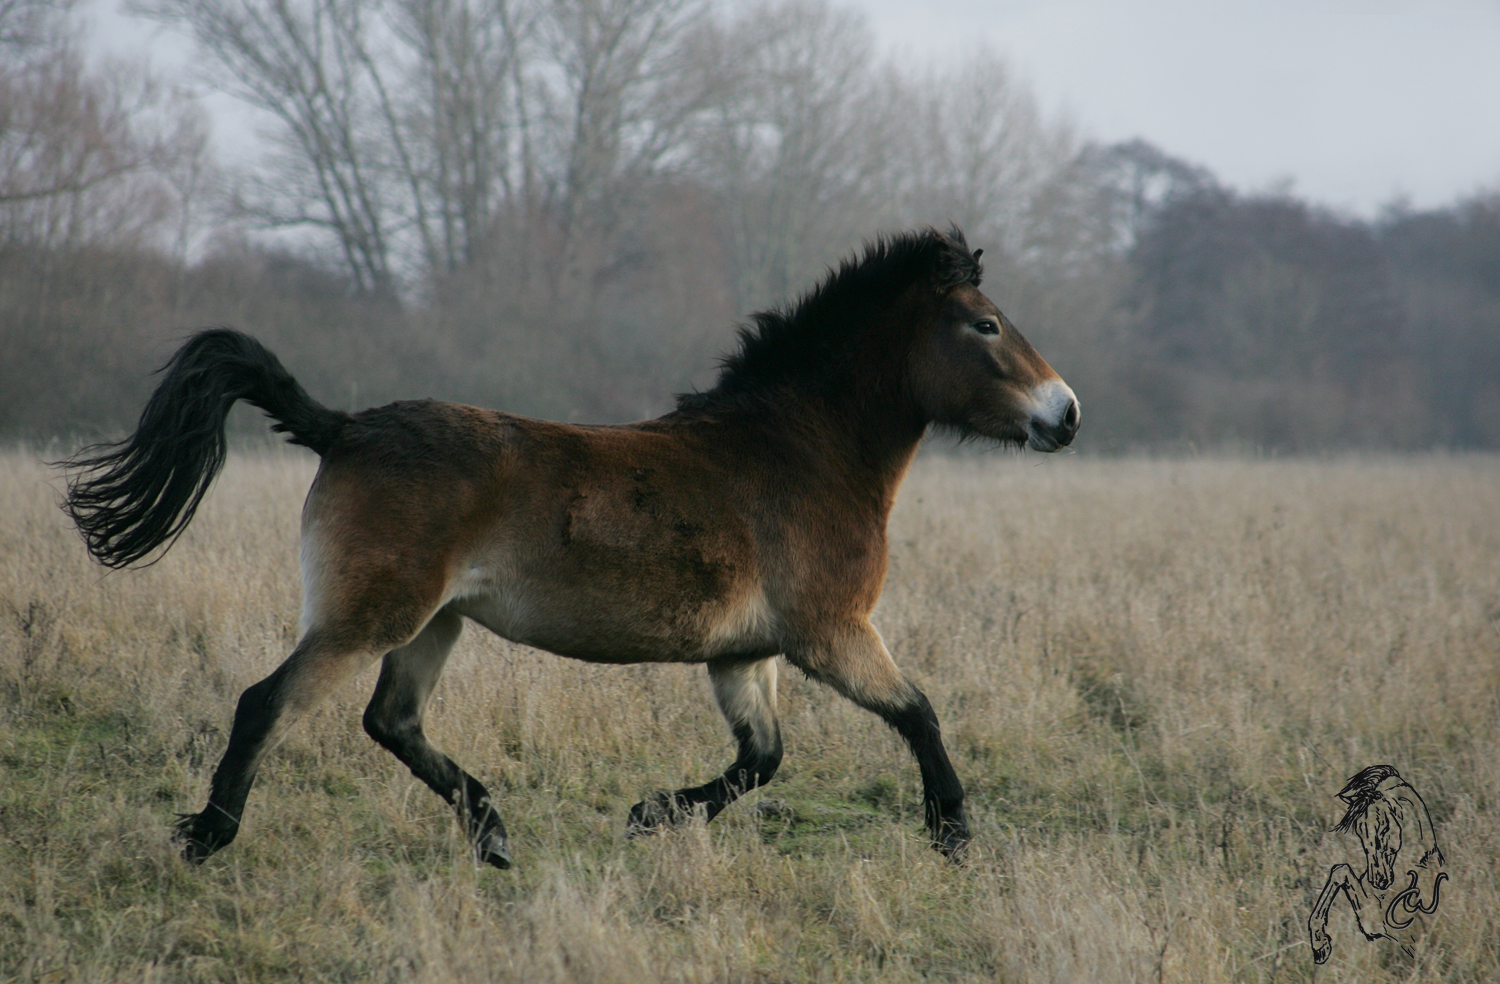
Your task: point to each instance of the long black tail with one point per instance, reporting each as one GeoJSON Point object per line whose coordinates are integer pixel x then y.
{"type": "Point", "coordinates": [130, 498]}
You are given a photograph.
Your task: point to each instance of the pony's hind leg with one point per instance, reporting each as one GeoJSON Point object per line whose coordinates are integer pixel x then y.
{"type": "Point", "coordinates": [857, 665]}
{"type": "Point", "coordinates": [745, 691]}
{"type": "Point", "coordinates": [266, 710]}
{"type": "Point", "coordinates": [394, 719]}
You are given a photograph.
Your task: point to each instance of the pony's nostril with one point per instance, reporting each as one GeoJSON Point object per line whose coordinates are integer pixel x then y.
{"type": "Point", "coordinates": [1070, 418]}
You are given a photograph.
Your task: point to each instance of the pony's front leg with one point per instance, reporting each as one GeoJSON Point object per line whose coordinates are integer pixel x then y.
{"type": "Point", "coordinates": [1339, 877]}
{"type": "Point", "coordinates": [856, 663]}
{"type": "Point", "coordinates": [745, 691]}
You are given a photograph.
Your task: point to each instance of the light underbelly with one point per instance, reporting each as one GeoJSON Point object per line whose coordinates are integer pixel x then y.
{"type": "Point", "coordinates": [584, 622]}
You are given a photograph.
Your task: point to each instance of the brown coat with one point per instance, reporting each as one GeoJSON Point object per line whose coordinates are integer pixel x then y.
{"type": "Point", "coordinates": [749, 522]}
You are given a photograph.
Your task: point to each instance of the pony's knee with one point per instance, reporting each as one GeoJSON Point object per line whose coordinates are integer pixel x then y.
{"type": "Point", "coordinates": [258, 712]}
{"type": "Point", "coordinates": [258, 699]}
{"type": "Point", "coordinates": [770, 758]}
{"type": "Point", "coordinates": [760, 753]}
{"type": "Point", "coordinates": [426, 652]}
{"type": "Point", "coordinates": [912, 717]}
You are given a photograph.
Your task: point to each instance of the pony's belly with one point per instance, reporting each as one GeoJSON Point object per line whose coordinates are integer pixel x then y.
{"type": "Point", "coordinates": [611, 627]}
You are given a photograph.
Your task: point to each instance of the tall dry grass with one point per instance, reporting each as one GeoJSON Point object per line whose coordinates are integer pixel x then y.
{"type": "Point", "coordinates": [1153, 676]}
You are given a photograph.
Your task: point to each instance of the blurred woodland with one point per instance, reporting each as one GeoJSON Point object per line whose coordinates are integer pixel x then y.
{"type": "Point", "coordinates": [561, 208]}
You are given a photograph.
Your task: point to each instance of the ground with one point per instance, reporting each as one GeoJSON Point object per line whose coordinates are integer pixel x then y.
{"type": "Point", "coordinates": [1153, 676]}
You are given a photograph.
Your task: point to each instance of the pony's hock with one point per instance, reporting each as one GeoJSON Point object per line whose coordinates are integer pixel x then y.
{"type": "Point", "coordinates": [748, 523]}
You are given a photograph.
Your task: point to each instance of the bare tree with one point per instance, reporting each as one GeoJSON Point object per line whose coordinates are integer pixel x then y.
{"type": "Point", "coordinates": [426, 121]}
{"type": "Point", "coordinates": [989, 159]}
{"type": "Point", "coordinates": [617, 95]}
{"type": "Point", "coordinates": [307, 64]}
{"type": "Point", "coordinates": [985, 148]}
{"type": "Point", "coordinates": [801, 149]}
{"type": "Point", "coordinates": [468, 117]}
{"type": "Point", "coordinates": [1140, 180]}
{"type": "Point", "coordinates": [26, 25]}
{"type": "Point", "coordinates": [79, 158]}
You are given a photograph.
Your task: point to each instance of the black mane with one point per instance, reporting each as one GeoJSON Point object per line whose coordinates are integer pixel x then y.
{"type": "Point", "coordinates": [1362, 790]}
{"type": "Point", "coordinates": [802, 341]}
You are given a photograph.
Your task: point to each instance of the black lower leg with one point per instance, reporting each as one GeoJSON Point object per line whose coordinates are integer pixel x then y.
{"type": "Point", "coordinates": [754, 766]}
{"type": "Point", "coordinates": [467, 795]}
{"type": "Point", "coordinates": [942, 793]}
{"type": "Point", "coordinates": [201, 834]}
{"type": "Point", "coordinates": [482, 822]}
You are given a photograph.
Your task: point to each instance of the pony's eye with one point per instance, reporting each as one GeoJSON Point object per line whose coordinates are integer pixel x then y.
{"type": "Point", "coordinates": [987, 326]}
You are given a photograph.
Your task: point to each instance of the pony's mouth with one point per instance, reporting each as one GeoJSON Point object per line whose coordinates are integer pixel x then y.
{"type": "Point", "coordinates": [1382, 872]}
{"type": "Point", "coordinates": [1038, 441]}
{"type": "Point", "coordinates": [1057, 422]}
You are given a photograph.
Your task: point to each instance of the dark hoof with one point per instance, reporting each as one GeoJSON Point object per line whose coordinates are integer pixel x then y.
{"type": "Point", "coordinates": [656, 813]}
{"type": "Point", "coordinates": [493, 849]}
{"type": "Point", "coordinates": [952, 841]}
{"type": "Point", "coordinates": [1323, 952]}
{"type": "Point", "coordinates": [196, 840]}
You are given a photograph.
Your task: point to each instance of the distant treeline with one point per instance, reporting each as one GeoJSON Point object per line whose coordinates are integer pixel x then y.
{"type": "Point", "coordinates": [562, 208]}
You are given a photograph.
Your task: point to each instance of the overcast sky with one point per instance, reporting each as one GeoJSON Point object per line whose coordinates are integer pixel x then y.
{"type": "Point", "coordinates": [1354, 102]}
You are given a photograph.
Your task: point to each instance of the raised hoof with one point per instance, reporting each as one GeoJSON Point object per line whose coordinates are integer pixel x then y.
{"type": "Point", "coordinates": [493, 849]}
{"type": "Point", "coordinates": [656, 813]}
{"type": "Point", "coordinates": [1322, 951]}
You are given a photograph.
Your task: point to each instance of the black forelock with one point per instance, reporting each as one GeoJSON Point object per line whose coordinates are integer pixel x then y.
{"type": "Point", "coordinates": [816, 332]}
{"type": "Point", "coordinates": [1360, 792]}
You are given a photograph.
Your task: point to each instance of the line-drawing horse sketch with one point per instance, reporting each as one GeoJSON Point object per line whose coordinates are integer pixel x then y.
{"type": "Point", "coordinates": [1393, 826]}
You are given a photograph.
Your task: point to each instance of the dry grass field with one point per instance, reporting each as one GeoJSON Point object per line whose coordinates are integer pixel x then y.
{"type": "Point", "coordinates": [1153, 675]}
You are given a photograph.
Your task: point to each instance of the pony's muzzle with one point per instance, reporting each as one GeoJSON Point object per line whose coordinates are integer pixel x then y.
{"type": "Point", "coordinates": [1054, 417]}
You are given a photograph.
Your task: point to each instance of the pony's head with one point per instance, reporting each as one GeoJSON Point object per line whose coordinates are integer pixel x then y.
{"type": "Point", "coordinates": [974, 373]}
{"type": "Point", "coordinates": [1375, 818]}
{"type": "Point", "coordinates": [904, 330]}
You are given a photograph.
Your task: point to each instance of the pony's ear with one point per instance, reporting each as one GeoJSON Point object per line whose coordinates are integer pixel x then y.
{"type": "Point", "coordinates": [953, 264]}
{"type": "Point", "coordinates": [977, 254]}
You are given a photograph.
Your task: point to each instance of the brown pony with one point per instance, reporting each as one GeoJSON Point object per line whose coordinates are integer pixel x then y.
{"type": "Point", "coordinates": [747, 523]}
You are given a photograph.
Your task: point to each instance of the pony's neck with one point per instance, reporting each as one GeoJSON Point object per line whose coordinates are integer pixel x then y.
{"type": "Point", "coordinates": [852, 408]}
{"type": "Point", "coordinates": [871, 437]}
{"type": "Point", "coordinates": [1417, 823]}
